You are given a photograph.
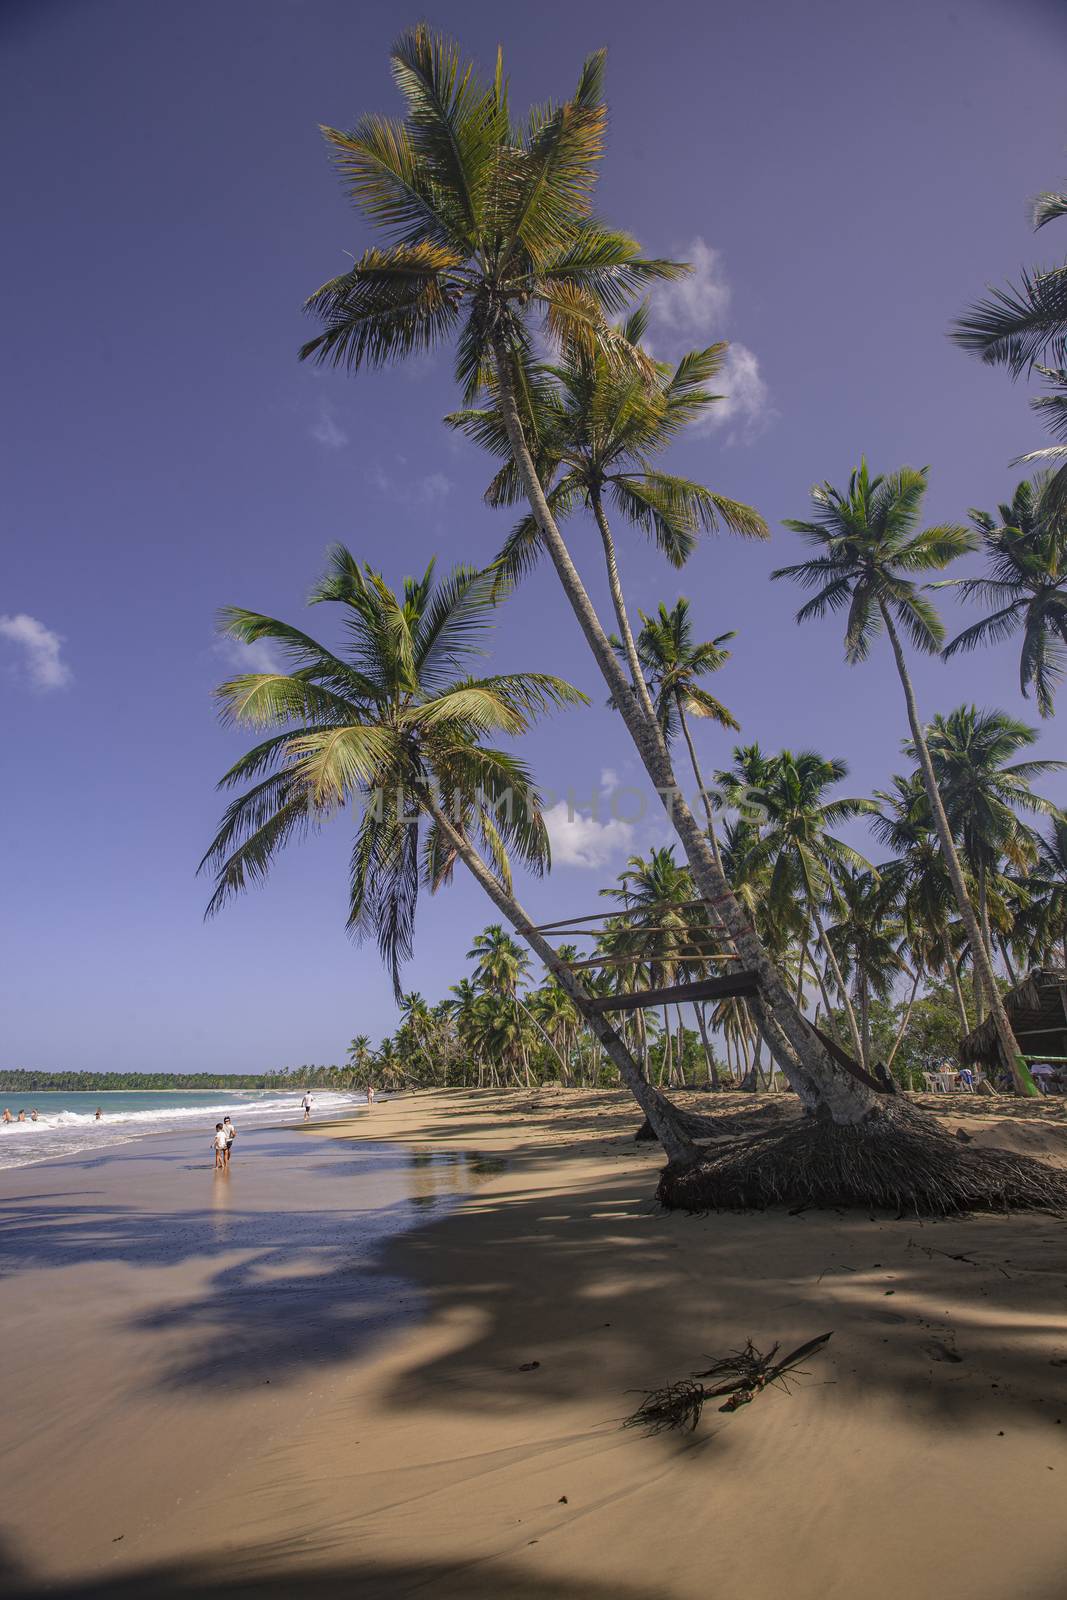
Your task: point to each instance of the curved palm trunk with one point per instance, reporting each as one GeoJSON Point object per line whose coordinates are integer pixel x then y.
{"type": "Point", "coordinates": [806, 1064]}
{"type": "Point", "coordinates": [1009, 1045]}
{"type": "Point", "coordinates": [676, 1144]}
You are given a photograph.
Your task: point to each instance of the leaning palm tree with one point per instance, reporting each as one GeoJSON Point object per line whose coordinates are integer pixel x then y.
{"type": "Point", "coordinates": [490, 226]}
{"type": "Point", "coordinates": [393, 726]}
{"type": "Point", "coordinates": [1024, 329]}
{"type": "Point", "coordinates": [1025, 545]}
{"type": "Point", "coordinates": [870, 551]}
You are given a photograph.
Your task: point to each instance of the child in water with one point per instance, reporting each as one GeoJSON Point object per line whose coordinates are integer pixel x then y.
{"type": "Point", "coordinates": [219, 1147]}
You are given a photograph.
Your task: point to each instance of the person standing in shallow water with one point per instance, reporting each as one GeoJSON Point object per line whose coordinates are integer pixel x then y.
{"type": "Point", "coordinates": [307, 1104]}
{"type": "Point", "coordinates": [218, 1144]}
{"type": "Point", "coordinates": [231, 1134]}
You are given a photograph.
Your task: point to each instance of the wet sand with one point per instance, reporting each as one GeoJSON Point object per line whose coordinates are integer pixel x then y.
{"type": "Point", "coordinates": [322, 1381]}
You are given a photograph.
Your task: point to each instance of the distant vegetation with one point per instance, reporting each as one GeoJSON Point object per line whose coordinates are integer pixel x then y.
{"type": "Point", "coordinates": [283, 1078]}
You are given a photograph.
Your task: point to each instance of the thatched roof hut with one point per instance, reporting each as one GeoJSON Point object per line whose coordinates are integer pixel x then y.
{"type": "Point", "coordinates": [1037, 1008]}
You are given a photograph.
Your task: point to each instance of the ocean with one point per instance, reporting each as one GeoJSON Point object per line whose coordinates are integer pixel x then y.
{"type": "Point", "coordinates": [66, 1123]}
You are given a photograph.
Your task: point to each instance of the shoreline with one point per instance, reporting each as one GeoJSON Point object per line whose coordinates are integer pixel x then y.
{"type": "Point", "coordinates": [365, 1314]}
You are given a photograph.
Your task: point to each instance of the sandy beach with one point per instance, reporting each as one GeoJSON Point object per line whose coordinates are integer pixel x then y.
{"type": "Point", "coordinates": [389, 1357]}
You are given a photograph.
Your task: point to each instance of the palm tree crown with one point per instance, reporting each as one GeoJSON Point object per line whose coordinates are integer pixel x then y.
{"type": "Point", "coordinates": [1026, 585]}
{"type": "Point", "coordinates": [488, 220]}
{"type": "Point", "coordinates": [386, 724]}
{"type": "Point", "coordinates": [870, 549]}
{"type": "Point", "coordinates": [595, 427]}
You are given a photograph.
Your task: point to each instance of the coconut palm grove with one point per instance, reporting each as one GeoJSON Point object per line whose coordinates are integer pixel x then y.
{"type": "Point", "coordinates": [758, 948]}
{"type": "Point", "coordinates": [533, 644]}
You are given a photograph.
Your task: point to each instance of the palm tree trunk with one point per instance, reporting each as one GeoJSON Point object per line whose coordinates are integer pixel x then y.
{"type": "Point", "coordinates": [1009, 1045]}
{"type": "Point", "coordinates": [806, 1064]}
{"type": "Point", "coordinates": [677, 1146]}
{"type": "Point", "coordinates": [865, 1022]}
{"type": "Point", "coordinates": [618, 601]}
{"type": "Point", "coordinates": [902, 1030]}
{"type": "Point", "coordinates": [957, 987]}
{"type": "Point", "coordinates": [842, 987]}
{"type": "Point", "coordinates": [705, 797]}
{"type": "Point", "coordinates": [709, 1054]}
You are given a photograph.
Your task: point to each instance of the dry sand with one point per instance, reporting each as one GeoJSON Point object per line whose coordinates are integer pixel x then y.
{"type": "Point", "coordinates": [441, 1415]}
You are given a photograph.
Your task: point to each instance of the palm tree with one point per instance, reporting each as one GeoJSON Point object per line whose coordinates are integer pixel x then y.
{"type": "Point", "coordinates": [1026, 584]}
{"type": "Point", "coordinates": [870, 549]}
{"type": "Point", "coordinates": [802, 854]}
{"type": "Point", "coordinates": [672, 661]}
{"type": "Point", "coordinates": [597, 428]}
{"type": "Point", "coordinates": [501, 963]}
{"type": "Point", "coordinates": [655, 926]}
{"type": "Point", "coordinates": [917, 874]}
{"type": "Point", "coordinates": [1024, 328]}
{"type": "Point", "coordinates": [866, 937]}
{"type": "Point", "coordinates": [358, 1054]}
{"type": "Point", "coordinates": [393, 726]}
{"type": "Point", "coordinates": [490, 225]}
{"type": "Point", "coordinates": [984, 791]}
{"type": "Point", "coordinates": [1049, 883]}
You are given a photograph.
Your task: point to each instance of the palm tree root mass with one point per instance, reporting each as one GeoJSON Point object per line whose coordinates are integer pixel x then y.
{"type": "Point", "coordinates": [895, 1160]}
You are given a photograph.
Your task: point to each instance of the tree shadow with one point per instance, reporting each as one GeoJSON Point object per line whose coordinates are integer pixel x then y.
{"type": "Point", "coordinates": [370, 1580]}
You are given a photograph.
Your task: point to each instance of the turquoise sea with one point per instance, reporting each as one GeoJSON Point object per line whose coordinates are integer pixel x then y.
{"type": "Point", "coordinates": [67, 1123]}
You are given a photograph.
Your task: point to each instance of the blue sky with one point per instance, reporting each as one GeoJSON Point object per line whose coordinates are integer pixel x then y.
{"type": "Point", "coordinates": [845, 176]}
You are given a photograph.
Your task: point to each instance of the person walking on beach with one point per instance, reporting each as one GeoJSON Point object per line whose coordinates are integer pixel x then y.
{"type": "Point", "coordinates": [219, 1146]}
{"type": "Point", "coordinates": [370, 1094]}
{"type": "Point", "coordinates": [307, 1104]}
{"type": "Point", "coordinates": [231, 1134]}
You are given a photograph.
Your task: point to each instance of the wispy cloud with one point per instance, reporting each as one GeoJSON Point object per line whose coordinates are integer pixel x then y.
{"type": "Point", "coordinates": [42, 661]}
{"type": "Point", "coordinates": [326, 430]}
{"type": "Point", "coordinates": [697, 304]}
{"type": "Point", "coordinates": [695, 311]}
{"type": "Point", "coordinates": [259, 656]}
{"type": "Point", "coordinates": [428, 489]}
{"type": "Point", "coordinates": [581, 841]}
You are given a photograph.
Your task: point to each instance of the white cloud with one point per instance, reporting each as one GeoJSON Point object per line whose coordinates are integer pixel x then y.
{"type": "Point", "coordinates": [41, 648]}
{"type": "Point", "coordinates": [745, 399]}
{"type": "Point", "coordinates": [694, 312]}
{"type": "Point", "coordinates": [609, 780]}
{"type": "Point", "coordinates": [697, 304]}
{"type": "Point", "coordinates": [326, 430]}
{"type": "Point", "coordinates": [429, 489]}
{"type": "Point", "coordinates": [581, 841]}
{"type": "Point", "coordinates": [259, 656]}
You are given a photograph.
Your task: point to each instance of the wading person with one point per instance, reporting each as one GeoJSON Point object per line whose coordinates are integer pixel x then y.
{"type": "Point", "coordinates": [231, 1134]}
{"type": "Point", "coordinates": [219, 1147]}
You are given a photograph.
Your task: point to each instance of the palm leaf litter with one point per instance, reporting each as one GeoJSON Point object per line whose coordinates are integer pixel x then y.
{"type": "Point", "coordinates": [737, 1379]}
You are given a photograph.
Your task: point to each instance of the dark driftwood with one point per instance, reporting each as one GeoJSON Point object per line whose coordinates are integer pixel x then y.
{"type": "Point", "coordinates": [741, 1376]}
